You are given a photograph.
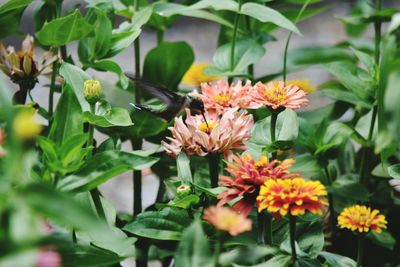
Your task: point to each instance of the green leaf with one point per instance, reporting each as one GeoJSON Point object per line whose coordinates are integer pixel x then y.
{"type": "Point", "coordinates": [337, 91]}
{"type": "Point", "coordinates": [167, 224]}
{"type": "Point", "coordinates": [67, 117]}
{"type": "Point", "coordinates": [266, 14]}
{"type": "Point", "coordinates": [246, 255]}
{"type": "Point", "coordinates": [10, 15]}
{"type": "Point", "coordinates": [110, 65]}
{"type": "Point", "coordinates": [183, 166]}
{"type": "Point", "coordinates": [167, 63]}
{"type": "Point", "coordinates": [317, 55]}
{"type": "Point", "coordinates": [170, 9]}
{"type": "Point", "coordinates": [182, 203]}
{"type": "Point", "coordinates": [127, 32]}
{"type": "Point", "coordinates": [107, 116]}
{"type": "Point", "coordinates": [102, 167]}
{"type": "Point", "coordinates": [63, 30]}
{"type": "Point", "coordinates": [334, 260]}
{"type": "Point", "coordinates": [194, 249]}
{"type": "Point", "coordinates": [352, 78]}
{"type": "Point", "coordinates": [384, 239]}
{"type": "Point", "coordinates": [71, 148]}
{"type": "Point", "coordinates": [48, 147]}
{"type": "Point", "coordinates": [310, 238]}
{"type": "Point", "coordinates": [287, 128]}
{"type": "Point", "coordinates": [101, 42]}
{"type": "Point", "coordinates": [145, 125]}
{"type": "Point", "coordinates": [75, 78]}
{"type": "Point", "coordinates": [394, 171]}
{"type": "Point", "coordinates": [247, 52]}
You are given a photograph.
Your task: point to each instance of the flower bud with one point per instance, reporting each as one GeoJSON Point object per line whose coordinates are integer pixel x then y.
{"type": "Point", "coordinates": [183, 190]}
{"type": "Point", "coordinates": [25, 125]}
{"type": "Point", "coordinates": [92, 91]}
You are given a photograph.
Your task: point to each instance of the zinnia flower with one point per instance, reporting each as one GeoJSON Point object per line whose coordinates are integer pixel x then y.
{"type": "Point", "coordinates": [92, 91]}
{"type": "Point", "coordinates": [220, 96]}
{"type": "Point", "coordinates": [26, 126]}
{"type": "Point", "coordinates": [216, 135]}
{"type": "Point", "coordinates": [21, 66]}
{"type": "Point", "coordinates": [276, 95]}
{"type": "Point", "coordinates": [292, 195]}
{"type": "Point", "coordinates": [248, 175]}
{"type": "Point", "coordinates": [362, 219]}
{"type": "Point", "coordinates": [47, 257]}
{"type": "Point", "coordinates": [225, 219]}
{"type": "Point", "coordinates": [195, 75]}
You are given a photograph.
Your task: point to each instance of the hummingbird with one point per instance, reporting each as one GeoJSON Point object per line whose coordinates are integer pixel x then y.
{"type": "Point", "coordinates": [174, 103]}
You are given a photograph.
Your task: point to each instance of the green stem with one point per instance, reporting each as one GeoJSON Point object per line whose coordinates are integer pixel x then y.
{"type": "Point", "coordinates": [332, 218]}
{"type": "Point", "coordinates": [292, 227]}
{"type": "Point", "coordinates": [137, 181]}
{"type": "Point", "coordinates": [95, 194]}
{"type": "Point", "coordinates": [274, 118]}
{"type": "Point", "coordinates": [261, 227]}
{"type": "Point", "coordinates": [217, 249]}
{"type": "Point", "coordinates": [268, 229]}
{"type": "Point", "coordinates": [250, 68]}
{"type": "Point", "coordinates": [303, 8]}
{"type": "Point", "coordinates": [213, 164]}
{"type": "Point", "coordinates": [235, 29]}
{"type": "Point", "coordinates": [360, 250]}
{"type": "Point", "coordinates": [52, 87]}
{"type": "Point", "coordinates": [160, 36]}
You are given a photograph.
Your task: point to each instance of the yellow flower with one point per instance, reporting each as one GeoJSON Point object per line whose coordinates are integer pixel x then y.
{"type": "Point", "coordinates": [362, 219]}
{"type": "Point", "coordinates": [207, 126]}
{"type": "Point", "coordinates": [195, 76]}
{"type": "Point", "coordinates": [92, 91]}
{"type": "Point", "coordinates": [226, 219]}
{"type": "Point", "coordinates": [281, 196]}
{"type": "Point", "coordinates": [26, 126]}
{"type": "Point", "coordinates": [303, 84]}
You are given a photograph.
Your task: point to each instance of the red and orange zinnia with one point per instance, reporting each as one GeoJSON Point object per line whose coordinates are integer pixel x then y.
{"type": "Point", "coordinates": [362, 219]}
{"type": "Point", "coordinates": [294, 196]}
{"type": "Point", "coordinates": [248, 175]}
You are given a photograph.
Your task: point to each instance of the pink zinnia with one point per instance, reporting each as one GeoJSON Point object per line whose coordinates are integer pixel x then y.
{"type": "Point", "coordinates": [277, 94]}
{"type": "Point", "coordinates": [217, 135]}
{"type": "Point", "coordinates": [248, 176]}
{"type": "Point", "coordinates": [221, 96]}
{"type": "Point", "coordinates": [226, 219]}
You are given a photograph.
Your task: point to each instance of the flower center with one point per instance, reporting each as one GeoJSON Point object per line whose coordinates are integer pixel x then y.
{"type": "Point", "coordinates": [276, 94]}
{"type": "Point", "coordinates": [262, 162]}
{"type": "Point", "coordinates": [222, 99]}
{"type": "Point", "coordinates": [207, 126]}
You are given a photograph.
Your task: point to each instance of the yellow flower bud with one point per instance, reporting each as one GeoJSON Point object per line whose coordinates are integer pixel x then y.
{"type": "Point", "coordinates": [26, 126]}
{"type": "Point", "coordinates": [183, 190]}
{"type": "Point", "coordinates": [92, 91]}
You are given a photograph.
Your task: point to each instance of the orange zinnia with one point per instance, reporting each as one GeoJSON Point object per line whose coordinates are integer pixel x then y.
{"type": "Point", "coordinates": [294, 196]}
{"type": "Point", "coordinates": [277, 94]}
{"type": "Point", "coordinates": [225, 219]}
{"type": "Point", "coordinates": [248, 175]}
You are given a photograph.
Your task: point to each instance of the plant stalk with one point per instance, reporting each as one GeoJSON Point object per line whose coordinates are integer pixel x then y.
{"type": "Point", "coordinates": [360, 250]}
{"type": "Point", "coordinates": [303, 8]}
{"type": "Point", "coordinates": [268, 229]}
{"type": "Point", "coordinates": [213, 164]}
{"type": "Point", "coordinates": [332, 218]}
{"type": "Point", "coordinates": [160, 36]}
{"type": "Point", "coordinates": [292, 225]}
{"type": "Point", "coordinates": [217, 249]}
{"type": "Point", "coordinates": [366, 151]}
{"type": "Point", "coordinates": [52, 88]}
{"type": "Point", "coordinates": [274, 118]}
{"type": "Point", "coordinates": [137, 181]}
{"type": "Point", "coordinates": [261, 228]}
{"type": "Point", "coordinates": [94, 193]}
{"type": "Point", "coordinates": [235, 29]}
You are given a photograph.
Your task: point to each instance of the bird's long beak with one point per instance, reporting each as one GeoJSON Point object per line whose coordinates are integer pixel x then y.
{"type": "Point", "coordinates": [205, 120]}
